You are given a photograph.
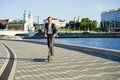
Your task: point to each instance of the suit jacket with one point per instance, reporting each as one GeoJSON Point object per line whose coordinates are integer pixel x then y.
{"type": "Point", "coordinates": [54, 29]}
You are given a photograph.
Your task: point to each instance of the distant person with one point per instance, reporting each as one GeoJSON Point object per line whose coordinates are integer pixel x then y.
{"type": "Point", "coordinates": [50, 33]}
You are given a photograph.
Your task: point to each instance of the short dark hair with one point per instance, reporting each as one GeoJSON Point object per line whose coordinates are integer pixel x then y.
{"type": "Point", "coordinates": [49, 17]}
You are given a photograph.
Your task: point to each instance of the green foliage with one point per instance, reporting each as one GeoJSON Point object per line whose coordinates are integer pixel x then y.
{"type": "Point", "coordinates": [94, 25]}
{"type": "Point", "coordinates": [2, 26]}
{"type": "Point", "coordinates": [62, 29]}
{"type": "Point", "coordinates": [84, 25]}
{"type": "Point", "coordinates": [118, 9]}
{"type": "Point", "coordinates": [72, 23]}
{"type": "Point", "coordinates": [17, 22]}
{"type": "Point", "coordinates": [21, 22]}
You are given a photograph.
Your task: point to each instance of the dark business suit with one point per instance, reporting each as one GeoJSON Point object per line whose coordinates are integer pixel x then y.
{"type": "Point", "coordinates": [50, 37]}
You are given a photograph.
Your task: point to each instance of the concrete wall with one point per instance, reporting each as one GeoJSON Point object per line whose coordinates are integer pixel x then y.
{"type": "Point", "coordinates": [98, 51]}
{"type": "Point", "coordinates": [12, 33]}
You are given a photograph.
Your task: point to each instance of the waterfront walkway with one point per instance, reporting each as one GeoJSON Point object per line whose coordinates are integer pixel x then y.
{"type": "Point", "coordinates": [28, 62]}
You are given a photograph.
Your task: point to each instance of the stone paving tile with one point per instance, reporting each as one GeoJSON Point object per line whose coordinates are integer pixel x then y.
{"type": "Point", "coordinates": [67, 64]}
{"type": "Point", "coordinates": [1, 62]}
{"type": "Point", "coordinates": [3, 55]}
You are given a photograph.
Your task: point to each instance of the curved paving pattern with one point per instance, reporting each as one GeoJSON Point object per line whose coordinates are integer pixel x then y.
{"type": "Point", "coordinates": [67, 65]}
{"type": "Point", "coordinates": [3, 55]}
{"type": "Point", "coordinates": [7, 68]}
{"type": "Point", "coordinates": [5, 74]}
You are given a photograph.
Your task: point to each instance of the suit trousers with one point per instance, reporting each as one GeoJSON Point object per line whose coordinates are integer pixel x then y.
{"type": "Point", "coordinates": [50, 41]}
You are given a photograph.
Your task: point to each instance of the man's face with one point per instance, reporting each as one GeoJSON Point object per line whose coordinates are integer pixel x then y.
{"type": "Point", "coordinates": [50, 20]}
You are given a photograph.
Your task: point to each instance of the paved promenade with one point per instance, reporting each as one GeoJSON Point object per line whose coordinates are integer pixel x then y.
{"type": "Point", "coordinates": [29, 62]}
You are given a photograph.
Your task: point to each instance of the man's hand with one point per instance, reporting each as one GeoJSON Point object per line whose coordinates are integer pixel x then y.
{"type": "Point", "coordinates": [46, 35]}
{"type": "Point", "coordinates": [55, 35]}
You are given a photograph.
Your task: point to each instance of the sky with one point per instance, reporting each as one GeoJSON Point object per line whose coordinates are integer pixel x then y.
{"type": "Point", "coordinates": [61, 9]}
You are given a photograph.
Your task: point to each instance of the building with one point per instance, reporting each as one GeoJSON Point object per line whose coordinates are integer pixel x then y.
{"type": "Point", "coordinates": [15, 27]}
{"type": "Point", "coordinates": [4, 21]}
{"type": "Point", "coordinates": [57, 22]}
{"type": "Point", "coordinates": [25, 25]}
{"type": "Point", "coordinates": [112, 20]}
{"type": "Point", "coordinates": [28, 26]}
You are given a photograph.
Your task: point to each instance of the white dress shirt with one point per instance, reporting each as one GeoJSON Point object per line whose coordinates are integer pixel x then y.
{"type": "Point", "coordinates": [50, 31]}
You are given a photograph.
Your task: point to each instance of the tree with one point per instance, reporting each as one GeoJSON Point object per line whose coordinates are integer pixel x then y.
{"type": "Point", "coordinates": [2, 26]}
{"type": "Point", "coordinates": [89, 25]}
{"type": "Point", "coordinates": [118, 9]}
{"type": "Point", "coordinates": [86, 24]}
{"type": "Point", "coordinates": [106, 25]}
{"type": "Point", "coordinates": [94, 25]}
{"type": "Point", "coordinates": [102, 26]}
{"type": "Point", "coordinates": [20, 22]}
{"type": "Point", "coordinates": [17, 22]}
{"type": "Point", "coordinates": [77, 25]}
{"type": "Point", "coordinates": [72, 24]}
{"type": "Point", "coordinates": [83, 25]}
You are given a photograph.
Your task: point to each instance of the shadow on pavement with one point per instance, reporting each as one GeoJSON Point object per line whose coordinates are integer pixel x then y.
{"type": "Point", "coordinates": [39, 60]}
{"type": "Point", "coordinates": [104, 56]}
{"type": "Point", "coordinates": [26, 59]}
{"type": "Point", "coordinates": [31, 59]}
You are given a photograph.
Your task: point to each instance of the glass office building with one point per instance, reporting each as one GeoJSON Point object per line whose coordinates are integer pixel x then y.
{"type": "Point", "coordinates": [112, 18]}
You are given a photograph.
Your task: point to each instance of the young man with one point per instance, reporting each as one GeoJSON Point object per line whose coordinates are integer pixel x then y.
{"type": "Point", "coordinates": [50, 33]}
